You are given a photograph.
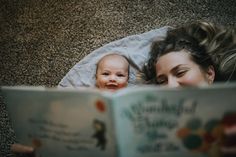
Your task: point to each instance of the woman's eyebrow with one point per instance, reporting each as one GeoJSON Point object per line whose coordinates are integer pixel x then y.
{"type": "Point", "coordinates": [177, 67]}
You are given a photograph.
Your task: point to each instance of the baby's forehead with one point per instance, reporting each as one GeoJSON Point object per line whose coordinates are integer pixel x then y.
{"type": "Point", "coordinates": [114, 57]}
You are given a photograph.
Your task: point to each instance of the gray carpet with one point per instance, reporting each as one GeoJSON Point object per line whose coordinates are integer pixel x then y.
{"type": "Point", "coordinates": [41, 40]}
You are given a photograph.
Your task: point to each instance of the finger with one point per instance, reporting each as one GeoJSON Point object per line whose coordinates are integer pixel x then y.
{"type": "Point", "coordinates": [18, 148]}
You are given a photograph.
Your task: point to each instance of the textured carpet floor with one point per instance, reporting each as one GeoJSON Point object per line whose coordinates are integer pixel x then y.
{"type": "Point", "coordinates": [41, 40]}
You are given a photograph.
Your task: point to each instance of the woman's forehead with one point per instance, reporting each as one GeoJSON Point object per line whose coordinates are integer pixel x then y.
{"type": "Point", "coordinates": [173, 59]}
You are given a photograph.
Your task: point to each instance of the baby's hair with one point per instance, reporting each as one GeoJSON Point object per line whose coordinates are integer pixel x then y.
{"type": "Point", "coordinates": [113, 54]}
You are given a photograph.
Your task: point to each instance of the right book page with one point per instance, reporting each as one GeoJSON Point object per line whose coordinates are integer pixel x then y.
{"type": "Point", "coordinates": [185, 122]}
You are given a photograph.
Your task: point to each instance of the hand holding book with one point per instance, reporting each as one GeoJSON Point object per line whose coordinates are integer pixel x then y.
{"type": "Point", "coordinates": [17, 148]}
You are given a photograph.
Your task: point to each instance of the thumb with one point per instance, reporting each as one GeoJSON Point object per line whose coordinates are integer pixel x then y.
{"type": "Point", "coordinates": [18, 148]}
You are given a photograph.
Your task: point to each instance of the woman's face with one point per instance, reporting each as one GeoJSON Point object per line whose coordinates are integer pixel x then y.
{"type": "Point", "coordinates": [177, 69]}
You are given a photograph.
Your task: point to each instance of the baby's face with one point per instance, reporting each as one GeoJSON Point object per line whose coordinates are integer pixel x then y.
{"type": "Point", "coordinates": [112, 73]}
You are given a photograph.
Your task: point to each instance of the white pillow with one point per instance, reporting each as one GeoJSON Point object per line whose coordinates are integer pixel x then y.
{"type": "Point", "coordinates": [134, 47]}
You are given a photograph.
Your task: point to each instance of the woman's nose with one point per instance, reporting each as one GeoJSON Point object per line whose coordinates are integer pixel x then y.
{"type": "Point", "coordinates": [173, 82]}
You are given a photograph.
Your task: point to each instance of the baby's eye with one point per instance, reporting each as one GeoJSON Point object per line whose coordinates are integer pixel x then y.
{"type": "Point", "coordinates": [105, 73]}
{"type": "Point", "coordinates": [120, 75]}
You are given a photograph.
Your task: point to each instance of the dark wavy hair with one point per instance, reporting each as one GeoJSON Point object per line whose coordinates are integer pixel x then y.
{"type": "Point", "coordinates": [192, 38]}
{"type": "Point", "coordinates": [222, 49]}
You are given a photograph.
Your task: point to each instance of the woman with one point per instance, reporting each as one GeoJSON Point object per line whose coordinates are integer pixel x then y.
{"type": "Point", "coordinates": [181, 58]}
{"type": "Point", "coordinates": [195, 55]}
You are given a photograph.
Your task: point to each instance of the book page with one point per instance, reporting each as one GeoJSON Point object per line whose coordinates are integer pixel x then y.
{"type": "Point", "coordinates": [173, 123]}
{"type": "Point", "coordinates": [62, 123]}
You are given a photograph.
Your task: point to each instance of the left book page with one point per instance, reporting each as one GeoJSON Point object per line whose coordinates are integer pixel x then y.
{"type": "Point", "coordinates": [61, 122]}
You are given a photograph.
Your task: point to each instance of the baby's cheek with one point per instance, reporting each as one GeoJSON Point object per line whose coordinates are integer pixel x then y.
{"type": "Point", "coordinates": [123, 84]}
{"type": "Point", "coordinates": [100, 83]}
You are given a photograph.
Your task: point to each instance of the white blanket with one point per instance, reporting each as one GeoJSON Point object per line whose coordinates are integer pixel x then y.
{"type": "Point", "coordinates": [135, 48]}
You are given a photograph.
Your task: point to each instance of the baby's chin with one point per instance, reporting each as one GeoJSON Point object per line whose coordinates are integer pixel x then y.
{"type": "Point", "coordinates": [113, 89]}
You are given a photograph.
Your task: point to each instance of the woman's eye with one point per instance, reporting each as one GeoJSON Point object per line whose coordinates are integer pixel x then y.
{"type": "Point", "coordinates": [181, 73]}
{"type": "Point", "coordinates": [161, 81]}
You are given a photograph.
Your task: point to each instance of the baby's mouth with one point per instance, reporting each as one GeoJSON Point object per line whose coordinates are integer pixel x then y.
{"type": "Point", "coordinates": [111, 86]}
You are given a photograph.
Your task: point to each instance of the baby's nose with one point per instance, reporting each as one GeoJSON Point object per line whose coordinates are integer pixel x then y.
{"type": "Point", "coordinates": [112, 78]}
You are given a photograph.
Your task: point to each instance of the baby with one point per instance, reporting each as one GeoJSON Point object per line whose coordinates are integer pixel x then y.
{"type": "Point", "coordinates": [112, 72]}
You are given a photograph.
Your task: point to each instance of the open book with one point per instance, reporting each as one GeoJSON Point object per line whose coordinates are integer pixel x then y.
{"type": "Point", "coordinates": [133, 122]}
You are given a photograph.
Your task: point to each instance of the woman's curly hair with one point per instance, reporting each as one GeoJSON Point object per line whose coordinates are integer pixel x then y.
{"type": "Point", "coordinates": [192, 38]}
{"type": "Point", "coordinates": [222, 49]}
